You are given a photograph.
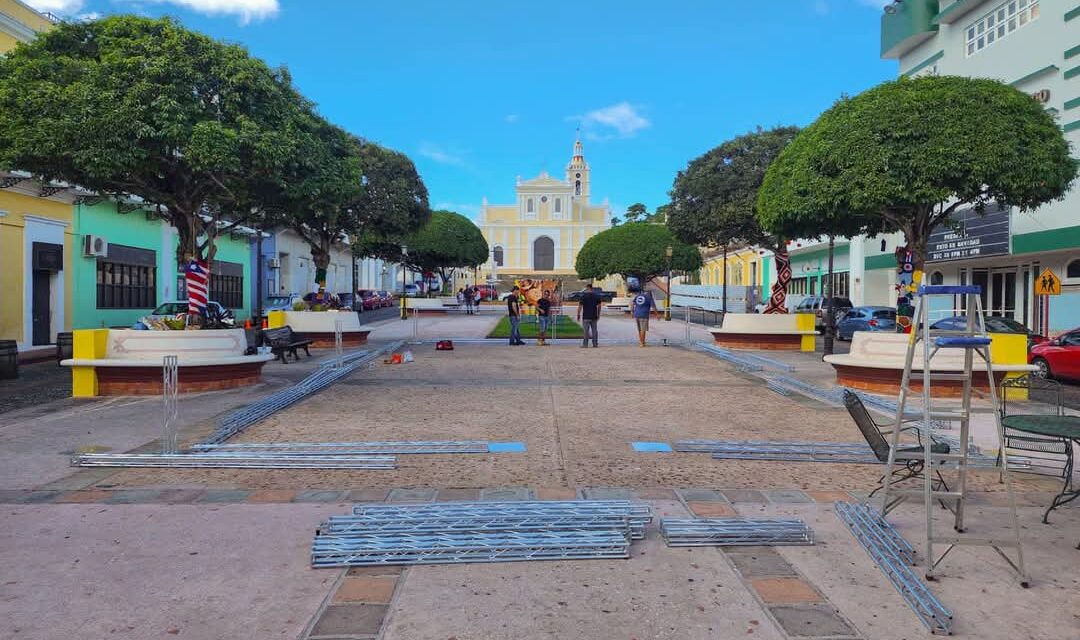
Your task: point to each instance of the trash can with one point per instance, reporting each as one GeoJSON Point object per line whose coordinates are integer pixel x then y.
{"type": "Point", "coordinates": [9, 360]}
{"type": "Point", "coordinates": [65, 347]}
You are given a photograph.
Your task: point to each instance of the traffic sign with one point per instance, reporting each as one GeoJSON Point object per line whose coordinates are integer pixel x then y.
{"type": "Point", "coordinates": [1048, 284]}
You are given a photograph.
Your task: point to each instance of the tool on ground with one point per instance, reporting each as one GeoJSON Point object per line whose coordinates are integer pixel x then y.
{"type": "Point", "coordinates": [974, 341]}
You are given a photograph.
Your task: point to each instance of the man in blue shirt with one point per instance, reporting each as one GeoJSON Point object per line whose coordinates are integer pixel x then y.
{"type": "Point", "coordinates": [513, 310]}
{"type": "Point", "coordinates": [643, 305]}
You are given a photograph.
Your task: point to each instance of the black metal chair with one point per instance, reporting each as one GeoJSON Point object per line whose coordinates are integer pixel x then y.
{"type": "Point", "coordinates": [911, 456]}
{"type": "Point", "coordinates": [1032, 395]}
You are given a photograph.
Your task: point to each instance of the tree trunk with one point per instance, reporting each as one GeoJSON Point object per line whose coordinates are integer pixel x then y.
{"type": "Point", "coordinates": [778, 296]}
{"type": "Point", "coordinates": [190, 257]}
{"type": "Point", "coordinates": [320, 256]}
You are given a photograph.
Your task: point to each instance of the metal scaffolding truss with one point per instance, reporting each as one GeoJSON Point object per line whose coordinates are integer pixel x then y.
{"type": "Point", "coordinates": [388, 549]}
{"type": "Point", "coordinates": [746, 362]}
{"type": "Point", "coordinates": [365, 525]}
{"type": "Point", "coordinates": [350, 448]}
{"type": "Point", "coordinates": [252, 460]}
{"type": "Point", "coordinates": [637, 514]}
{"type": "Point", "coordinates": [734, 532]}
{"type": "Point", "coordinates": [894, 556]}
{"type": "Point", "coordinates": [327, 373]}
{"type": "Point", "coordinates": [807, 451]}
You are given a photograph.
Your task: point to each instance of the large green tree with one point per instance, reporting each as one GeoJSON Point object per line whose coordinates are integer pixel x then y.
{"type": "Point", "coordinates": [904, 155]}
{"type": "Point", "coordinates": [447, 241]}
{"type": "Point", "coordinates": [131, 105]}
{"type": "Point", "coordinates": [635, 249]}
{"type": "Point", "coordinates": [714, 200]}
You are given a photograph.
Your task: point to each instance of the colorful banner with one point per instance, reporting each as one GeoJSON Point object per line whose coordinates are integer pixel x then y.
{"type": "Point", "coordinates": [907, 282]}
{"type": "Point", "coordinates": [533, 289]}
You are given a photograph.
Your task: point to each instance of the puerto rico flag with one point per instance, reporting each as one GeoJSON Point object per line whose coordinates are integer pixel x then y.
{"type": "Point", "coordinates": [197, 279]}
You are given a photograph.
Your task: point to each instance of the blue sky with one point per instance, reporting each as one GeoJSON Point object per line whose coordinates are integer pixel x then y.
{"type": "Point", "coordinates": [481, 91]}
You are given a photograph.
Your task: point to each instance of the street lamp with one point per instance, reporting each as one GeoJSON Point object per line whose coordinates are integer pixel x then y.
{"type": "Point", "coordinates": [667, 308]}
{"type": "Point", "coordinates": [404, 257]}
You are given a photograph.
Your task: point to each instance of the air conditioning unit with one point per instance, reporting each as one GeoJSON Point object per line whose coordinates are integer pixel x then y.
{"type": "Point", "coordinates": [95, 246]}
{"type": "Point", "coordinates": [273, 263]}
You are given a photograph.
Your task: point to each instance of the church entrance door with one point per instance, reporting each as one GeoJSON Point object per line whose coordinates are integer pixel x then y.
{"type": "Point", "coordinates": [544, 254]}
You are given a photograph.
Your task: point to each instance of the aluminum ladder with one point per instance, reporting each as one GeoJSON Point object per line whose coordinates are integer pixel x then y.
{"type": "Point", "coordinates": [974, 341]}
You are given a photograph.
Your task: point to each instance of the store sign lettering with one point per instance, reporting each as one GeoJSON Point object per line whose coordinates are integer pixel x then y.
{"type": "Point", "coordinates": [969, 235]}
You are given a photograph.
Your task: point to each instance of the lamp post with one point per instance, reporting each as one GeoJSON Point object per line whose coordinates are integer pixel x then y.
{"type": "Point", "coordinates": [830, 314]}
{"type": "Point", "coordinates": [667, 307]}
{"type": "Point", "coordinates": [404, 308]}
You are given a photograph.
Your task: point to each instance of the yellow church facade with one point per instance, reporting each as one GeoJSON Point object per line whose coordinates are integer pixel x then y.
{"type": "Point", "coordinates": [541, 233]}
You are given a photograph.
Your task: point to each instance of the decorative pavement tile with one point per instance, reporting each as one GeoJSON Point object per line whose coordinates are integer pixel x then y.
{"type": "Point", "coordinates": [225, 495]}
{"type": "Point", "coordinates": [271, 495]}
{"type": "Point", "coordinates": [181, 496]}
{"type": "Point", "coordinates": [506, 493]}
{"type": "Point", "coordinates": [743, 495]}
{"type": "Point", "coordinates": [21, 496]}
{"type": "Point", "coordinates": [349, 620]}
{"type": "Point", "coordinates": [368, 494]}
{"type": "Point", "coordinates": [320, 495]}
{"type": "Point", "coordinates": [556, 493]}
{"type": "Point", "coordinates": [787, 496]}
{"type": "Point", "coordinates": [701, 495]}
{"type": "Point", "coordinates": [388, 570]}
{"type": "Point", "coordinates": [135, 496]}
{"type": "Point", "coordinates": [711, 509]}
{"type": "Point", "coordinates": [785, 591]}
{"type": "Point", "coordinates": [608, 493]}
{"type": "Point", "coordinates": [759, 565]}
{"type": "Point", "coordinates": [84, 496]}
{"type": "Point", "coordinates": [813, 621]}
{"type": "Point", "coordinates": [655, 494]}
{"type": "Point", "coordinates": [418, 494]}
{"type": "Point", "coordinates": [369, 589]}
{"type": "Point", "coordinates": [458, 495]}
{"type": "Point", "coordinates": [829, 496]}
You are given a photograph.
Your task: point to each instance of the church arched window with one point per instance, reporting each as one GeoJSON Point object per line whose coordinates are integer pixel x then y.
{"type": "Point", "coordinates": [497, 255]}
{"type": "Point", "coordinates": [529, 205]}
{"type": "Point", "coordinates": [558, 205]}
{"type": "Point", "coordinates": [577, 187]}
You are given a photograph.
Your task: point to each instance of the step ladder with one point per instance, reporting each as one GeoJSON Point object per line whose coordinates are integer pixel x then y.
{"type": "Point", "coordinates": [974, 341]}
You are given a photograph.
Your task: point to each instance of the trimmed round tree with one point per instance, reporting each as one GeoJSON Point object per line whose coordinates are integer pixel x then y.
{"type": "Point", "coordinates": [635, 249]}
{"type": "Point", "coordinates": [906, 154]}
{"type": "Point", "coordinates": [447, 241]}
{"type": "Point", "coordinates": [714, 200]}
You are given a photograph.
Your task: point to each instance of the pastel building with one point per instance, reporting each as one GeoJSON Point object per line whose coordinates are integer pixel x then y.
{"type": "Point", "coordinates": [540, 234]}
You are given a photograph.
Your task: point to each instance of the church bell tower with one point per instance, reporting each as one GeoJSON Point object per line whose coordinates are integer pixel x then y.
{"type": "Point", "coordinates": [577, 173]}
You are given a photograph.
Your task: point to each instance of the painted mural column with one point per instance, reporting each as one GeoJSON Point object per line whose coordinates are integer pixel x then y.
{"type": "Point", "coordinates": [907, 281]}
{"type": "Point", "coordinates": [778, 296]}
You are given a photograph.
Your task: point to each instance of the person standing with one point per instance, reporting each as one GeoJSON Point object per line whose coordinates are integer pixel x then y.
{"type": "Point", "coordinates": [543, 314]}
{"type": "Point", "coordinates": [478, 297]}
{"type": "Point", "coordinates": [588, 312]}
{"type": "Point", "coordinates": [513, 310]}
{"type": "Point", "coordinates": [468, 298]}
{"type": "Point", "coordinates": [643, 305]}
{"type": "Point", "coordinates": [460, 297]}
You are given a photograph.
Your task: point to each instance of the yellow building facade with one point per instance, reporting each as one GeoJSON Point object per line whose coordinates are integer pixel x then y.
{"type": "Point", "coordinates": [541, 233]}
{"type": "Point", "coordinates": [36, 232]}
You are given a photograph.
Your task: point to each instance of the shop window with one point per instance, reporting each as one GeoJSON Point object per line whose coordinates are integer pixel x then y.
{"type": "Point", "coordinates": [998, 23]}
{"type": "Point", "coordinates": [127, 278]}
{"type": "Point", "coordinates": [227, 284]}
{"type": "Point", "coordinates": [937, 278]}
{"type": "Point", "coordinates": [1072, 271]}
{"type": "Point", "coordinates": [841, 287]}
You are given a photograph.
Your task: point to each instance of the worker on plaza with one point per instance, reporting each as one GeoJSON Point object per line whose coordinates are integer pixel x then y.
{"type": "Point", "coordinates": [543, 315]}
{"type": "Point", "coordinates": [468, 296]}
{"type": "Point", "coordinates": [643, 305]}
{"type": "Point", "coordinates": [513, 310]}
{"type": "Point", "coordinates": [589, 309]}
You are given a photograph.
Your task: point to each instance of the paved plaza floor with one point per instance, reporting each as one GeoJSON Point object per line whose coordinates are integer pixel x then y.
{"type": "Point", "coordinates": [98, 553]}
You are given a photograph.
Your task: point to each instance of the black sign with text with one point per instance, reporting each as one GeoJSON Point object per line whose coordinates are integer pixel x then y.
{"type": "Point", "coordinates": [968, 235]}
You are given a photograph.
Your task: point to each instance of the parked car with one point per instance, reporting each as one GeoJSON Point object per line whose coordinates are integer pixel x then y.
{"type": "Point", "coordinates": [1058, 358]}
{"type": "Point", "coordinates": [994, 324]}
{"type": "Point", "coordinates": [865, 319]}
{"type": "Point", "coordinates": [574, 296]}
{"type": "Point", "coordinates": [487, 291]}
{"type": "Point", "coordinates": [386, 297]}
{"type": "Point", "coordinates": [280, 303]}
{"type": "Point", "coordinates": [370, 299]}
{"type": "Point", "coordinates": [412, 291]}
{"type": "Point", "coordinates": [817, 306]}
{"type": "Point", "coordinates": [349, 301]}
{"type": "Point", "coordinates": [328, 299]}
{"type": "Point", "coordinates": [216, 314]}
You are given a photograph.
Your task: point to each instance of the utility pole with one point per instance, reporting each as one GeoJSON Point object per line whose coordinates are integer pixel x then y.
{"type": "Point", "coordinates": [723, 306]}
{"type": "Point", "coordinates": [830, 323]}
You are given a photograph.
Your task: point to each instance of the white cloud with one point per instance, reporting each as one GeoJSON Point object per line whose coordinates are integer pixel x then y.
{"type": "Point", "coordinates": [56, 6]}
{"type": "Point", "coordinates": [618, 120]}
{"type": "Point", "coordinates": [442, 156]}
{"type": "Point", "coordinates": [246, 10]}
{"type": "Point", "coordinates": [88, 17]}
{"type": "Point", "coordinates": [511, 118]}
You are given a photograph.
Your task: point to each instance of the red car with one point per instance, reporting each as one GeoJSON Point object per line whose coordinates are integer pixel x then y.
{"type": "Point", "coordinates": [370, 299]}
{"type": "Point", "coordinates": [487, 291]}
{"type": "Point", "coordinates": [1058, 358]}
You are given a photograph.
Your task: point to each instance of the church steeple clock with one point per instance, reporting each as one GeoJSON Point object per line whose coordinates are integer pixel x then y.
{"type": "Point", "coordinates": [577, 173]}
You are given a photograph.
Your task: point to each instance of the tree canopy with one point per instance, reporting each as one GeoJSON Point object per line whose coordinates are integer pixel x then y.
{"type": "Point", "coordinates": [904, 155]}
{"type": "Point", "coordinates": [139, 106]}
{"type": "Point", "coordinates": [635, 249]}
{"type": "Point", "coordinates": [714, 200]}
{"type": "Point", "coordinates": [448, 240]}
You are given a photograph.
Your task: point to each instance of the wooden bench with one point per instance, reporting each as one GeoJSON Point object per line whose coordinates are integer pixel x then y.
{"type": "Point", "coordinates": [283, 340]}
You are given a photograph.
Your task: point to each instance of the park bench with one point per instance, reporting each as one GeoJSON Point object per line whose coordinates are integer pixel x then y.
{"type": "Point", "coordinates": [780, 331]}
{"type": "Point", "coordinates": [283, 340]}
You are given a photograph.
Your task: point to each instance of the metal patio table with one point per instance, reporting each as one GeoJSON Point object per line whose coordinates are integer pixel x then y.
{"type": "Point", "coordinates": [1065, 427]}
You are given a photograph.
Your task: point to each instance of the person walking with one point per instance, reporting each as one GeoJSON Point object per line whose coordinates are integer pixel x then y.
{"type": "Point", "coordinates": [513, 310]}
{"type": "Point", "coordinates": [478, 297]}
{"type": "Point", "coordinates": [643, 305]}
{"type": "Point", "coordinates": [588, 311]}
{"type": "Point", "coordinates": [460, 297]}
{"type": "Point", "coordinates": [543, 315]}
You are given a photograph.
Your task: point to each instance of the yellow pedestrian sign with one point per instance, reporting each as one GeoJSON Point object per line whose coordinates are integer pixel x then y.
{"type": "Point", "coordinates": [1048, 284]}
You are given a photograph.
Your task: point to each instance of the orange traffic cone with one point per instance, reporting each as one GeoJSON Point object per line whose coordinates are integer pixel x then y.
{"type": "Point", "coordinates": [265, 324]}
{"type": "Point", "coordinates": [247, 323]}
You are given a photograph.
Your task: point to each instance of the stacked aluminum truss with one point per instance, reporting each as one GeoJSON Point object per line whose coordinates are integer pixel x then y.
{"type": "Point", "coordinates": [734, 532]}
{"type": "Point", "coordinates": [460, 532]}
{"type": "Point", "coordinates": [324, 376]}
{"type": "Point", "coordinates": [894, 556]}
{"type": "Point", "coordinates": [347, 448]}
{"type": "Point", "coordinates": [254, 460]}
{"type": "Point", "coordinates": [744, 361]}
{"type": "Point", "coordinates": [805, 451]}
